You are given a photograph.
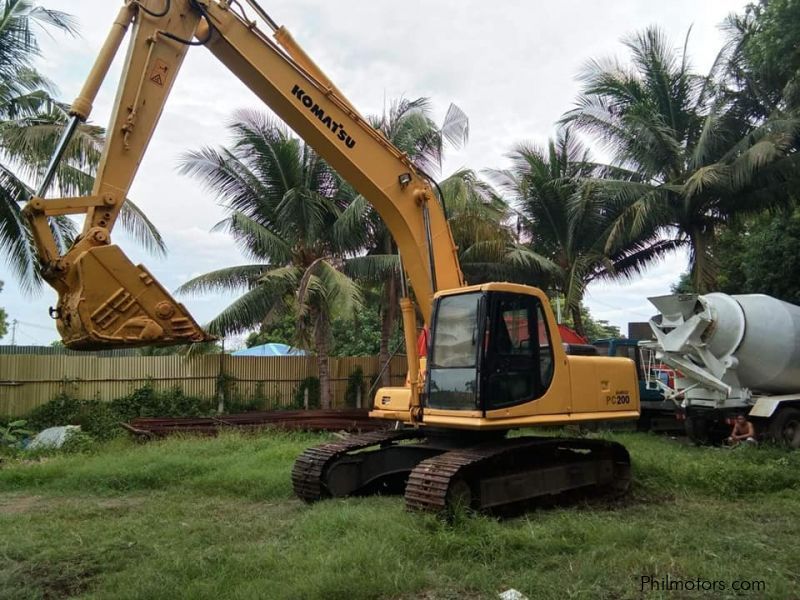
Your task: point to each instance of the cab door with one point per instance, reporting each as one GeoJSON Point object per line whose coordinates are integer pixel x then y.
{"type": "Point", "coordinates": [518, 360]}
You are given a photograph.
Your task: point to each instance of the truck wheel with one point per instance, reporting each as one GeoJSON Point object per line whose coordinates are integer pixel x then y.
{"type": "Point", "coordinates": [697, 430]}
{"type": "Point", "coordinates": [645, 422]}
{"type": "Point", "coordinates": [703, 431]}
{"type": "Point", "coordinates": [784, 427]}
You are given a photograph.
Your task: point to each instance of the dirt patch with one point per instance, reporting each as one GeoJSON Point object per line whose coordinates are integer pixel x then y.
{"type": "Point", "coordinates": [117, 503]}
{"type": "Point", "coordinates": [20, 503]}
{"type": "Point", "coordinates": [14, 503]}
{"type": "Point", "coordinates": [445, 595]}
{"type": "Point", "coordinates": [61, 579]}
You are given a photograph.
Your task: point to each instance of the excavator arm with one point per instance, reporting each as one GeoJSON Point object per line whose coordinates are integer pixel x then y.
{"type": "Point", "coordinates": [104, 300]}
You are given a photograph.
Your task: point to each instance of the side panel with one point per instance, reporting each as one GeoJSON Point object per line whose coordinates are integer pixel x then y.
{"type": "Point", "coordinates": [603, 384]}
{"type": "Point", "coordinates": [766, 406]}
{"type": "Point", "coordinates": [393, 404]}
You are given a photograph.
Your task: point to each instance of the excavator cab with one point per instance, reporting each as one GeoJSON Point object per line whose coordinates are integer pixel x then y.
{"type": "Point", "coordinates": [496, 361]}
{"type": "Point", "coordinates": [489, 350]}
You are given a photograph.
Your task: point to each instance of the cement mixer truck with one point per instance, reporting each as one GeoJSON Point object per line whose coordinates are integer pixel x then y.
{"type": "Point", "coordinates": [731, 354]}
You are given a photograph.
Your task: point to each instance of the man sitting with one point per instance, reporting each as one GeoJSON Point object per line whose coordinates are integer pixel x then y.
{"type": "Point", "coordinates": [743, 431]}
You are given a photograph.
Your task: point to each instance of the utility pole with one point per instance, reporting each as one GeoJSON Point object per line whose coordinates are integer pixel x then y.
{"type": "Point", "coordinates": [14, 332]}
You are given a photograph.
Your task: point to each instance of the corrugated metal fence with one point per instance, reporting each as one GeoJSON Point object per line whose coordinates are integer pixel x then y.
{"type": "Point", "coordinates": [28, 381]}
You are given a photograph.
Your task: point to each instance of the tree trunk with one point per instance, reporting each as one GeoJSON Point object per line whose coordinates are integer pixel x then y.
{"type": "Point", "coordinates": [388, 320]}
{"type": "Point", "coordinates": [321, 341]}
{"type": "Point", "coordinates": [577, 321]}
{"type": "Point", "coordinates": [222, 381]}
{"type": "Point", "coordinates": [705, 265]}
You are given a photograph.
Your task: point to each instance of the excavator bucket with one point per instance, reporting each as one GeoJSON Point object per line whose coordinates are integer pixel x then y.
{"type": "Point", "coordinates": [105, 302]}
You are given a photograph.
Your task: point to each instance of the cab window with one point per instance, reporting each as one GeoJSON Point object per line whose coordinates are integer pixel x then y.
{"type": "Point", "coordinates": [452, 381]}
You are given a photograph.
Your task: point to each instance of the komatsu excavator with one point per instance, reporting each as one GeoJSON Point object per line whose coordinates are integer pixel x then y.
{"type": "Point", "coordinates": [494, 362]}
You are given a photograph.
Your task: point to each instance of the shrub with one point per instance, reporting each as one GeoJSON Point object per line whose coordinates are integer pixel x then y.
{"type": "Point", "coordinates": [139, 401]}
{"type": "Point", "coordinates": [147, 402]}
{"type": "Point", "coordinates": [96, 418]}
{"type": "Point", "coordinates": [260, 401]}
{"type": "Point", "coordinates": [14, 433]}
{"type": "Point", "coordinates": [312, 385]}
{"type": "Point", "coordinates": [237, 405]}
{"type": "Point", "coordinates": [61, 410]}
{"type": "Point", "coordinates": [78, 442]}
{"type": "Point", "coordinates": [355, 383]}
{"type": "Point", "coordinates": [100, 420]}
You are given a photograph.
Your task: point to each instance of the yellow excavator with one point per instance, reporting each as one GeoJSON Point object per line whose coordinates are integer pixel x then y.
{"type": "Point", "coordinates": [494, 361]}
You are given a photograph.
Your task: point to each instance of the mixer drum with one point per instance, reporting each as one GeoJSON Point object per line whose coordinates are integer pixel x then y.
{"type": "Point", "coordinates": [763, 334]}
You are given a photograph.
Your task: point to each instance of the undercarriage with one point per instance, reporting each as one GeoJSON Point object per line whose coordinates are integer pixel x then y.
{"type": "Point", "coordinates": [440, 471]}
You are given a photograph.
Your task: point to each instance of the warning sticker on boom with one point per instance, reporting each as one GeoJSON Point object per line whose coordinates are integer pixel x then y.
{"type": "Point", "coordinates": [159, 73]}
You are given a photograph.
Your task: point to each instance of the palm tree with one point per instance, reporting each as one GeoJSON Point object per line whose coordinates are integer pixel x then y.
{"type": "Point", "coordinates": [685, 161]}
{"type": "Point", "coordinates": [565, 223]}
{"type": "Point", "coordinates": [3, 317]}
{"type": "Point", "coordinates": [408, 125]}
{"type": "Point", "coordinates": [477, 216]}
{"type": "Point", "coordinates": [31, 122]}
{"type": "Point", "coordinates": [24, 96]}
{"type": "Point", "coordinates": [283, 202]}
{"type": "Point", "coordinates": [760, 61]}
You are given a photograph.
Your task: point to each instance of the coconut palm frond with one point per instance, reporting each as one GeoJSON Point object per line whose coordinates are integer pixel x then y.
{"type": "Point", "coordinates": [637, 258]}
{"type": "Point", "coordinates": [455, 127]}
{"type": "Point", "coordinates": [229, 279]}
{"type": "Point", "coordinates": [20, 21]}
{"type": "Point", "coordinates": [256, 240]}
{"type": "Point", "coordinates": [244, 313]}
{"type": "Point", "coordinates": [343, 296]}
{"type": "Point", "coordinates": [227, 177]}
{"type": "Point", "coordinates": [355, 227]}
{"type": "Point", "coordinates": [140, 228]}
{"type": "Point", "coordinates": [16, 243]}
{"type": "Point", "coordinates": [374, 268]}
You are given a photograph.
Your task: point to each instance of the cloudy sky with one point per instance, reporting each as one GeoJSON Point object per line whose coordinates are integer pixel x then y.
{"type": "Point", "coordinates": [511, 65]}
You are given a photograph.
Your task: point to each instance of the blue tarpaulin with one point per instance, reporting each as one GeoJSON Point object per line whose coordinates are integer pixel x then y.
{"type": "Point", "coordinates": [269, 350]}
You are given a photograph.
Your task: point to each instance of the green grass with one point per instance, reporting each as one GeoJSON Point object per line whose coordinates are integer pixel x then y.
{"type": "Point", "coordinates": [215, 518]}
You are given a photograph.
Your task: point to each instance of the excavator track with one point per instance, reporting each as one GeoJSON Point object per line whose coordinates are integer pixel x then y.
{"type": "Point", "coordinates": [503, 473]}
{"type": "Point", "coordinates": [309, 468]}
